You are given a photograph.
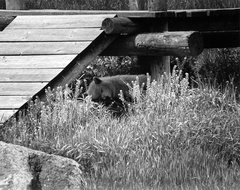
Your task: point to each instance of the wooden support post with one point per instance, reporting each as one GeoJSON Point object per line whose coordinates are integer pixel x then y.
{"type": "Point", "coordinates": [160, 65]}
{"type": "Point", "coordinates": [15, 4]}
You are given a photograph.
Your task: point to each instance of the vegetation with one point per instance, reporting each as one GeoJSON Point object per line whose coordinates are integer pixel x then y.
{"type": "Point", "coordinates": [172, 137]}
{"type": "Point", "coordinates": [123, 4]}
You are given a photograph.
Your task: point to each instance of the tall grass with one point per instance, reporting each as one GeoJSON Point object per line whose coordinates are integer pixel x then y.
{"type": "Point", "coordinates": [173, 137]}
{"type": "Point", "coordinates": [202, 4]}
{"type": "Point", "coordinates": [123, 4]}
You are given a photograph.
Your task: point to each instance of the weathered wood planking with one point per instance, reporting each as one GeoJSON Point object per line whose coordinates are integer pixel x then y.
{"type": "Point", "coordinates": [42, 48]}
{"type": "Point", "coordinates": [49, 35]}
{"type": "Point", "coordinates": [5, 114]}
{"type": "Point", "coordinates": [13, 102]}
{"type": "Point", "coordinates": [28, 75]}
{"type": "Point", "coordinates": [34, 50]}
{"type": "Point", "coordinates": [59, 21]}
{"type": "Point", "coordinates": [20, 89]}
{"type": "Point", "coordinates": [36, 62]}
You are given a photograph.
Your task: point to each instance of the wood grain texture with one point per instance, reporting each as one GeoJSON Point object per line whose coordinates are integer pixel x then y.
{"type": "Point", "coordinates": [20, 89]}
{"type": "Point", "coordinates": [28, 75]}
{"type": "Point", "coordinates": [156, 44]}
{"type": "Point", "coordinates": [42, 48]}
{"type": "Point", "coordinates": [13, 102]}
{"type": "Point", "coordinates": [59, 21]}
{"type": "Point", "coordinates": [36, 50]}
{"type": "Point", "coordinates": [6, 114]}
{"type": "Point", "coordinates": [49, 35]}
{"type": "Point", "coordinates": [35, 62]}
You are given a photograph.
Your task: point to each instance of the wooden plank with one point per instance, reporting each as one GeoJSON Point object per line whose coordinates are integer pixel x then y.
{"type": "Point", "coordinates": [6, 114]}
{"type": "Point", "coordinates": [42, 48]}
{"type": "Point", "coordinates": [13, 102]}
{"type": "Point", "coordinates": [60, 21]}
{"type": "Point", "coordinates": [30, 35]}
{"type": "Point", "coordinates": [20, 89]}
{"type": "Point", "coordinates": [36, 62]}
{"type": "Point", "coordinates": [80, 62]}
{"type": "Point", "coordinates": [28, 75]}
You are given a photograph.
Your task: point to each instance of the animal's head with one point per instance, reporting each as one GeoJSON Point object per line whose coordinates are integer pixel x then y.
{"type": "Point", "coordinates": [99, 90]}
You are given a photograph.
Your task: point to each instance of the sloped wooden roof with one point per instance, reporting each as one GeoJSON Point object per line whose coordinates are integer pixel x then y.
{"type": "Point", "coordinates": [35, 49]}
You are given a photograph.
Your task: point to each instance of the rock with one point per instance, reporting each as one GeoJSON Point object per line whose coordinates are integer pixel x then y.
{"type": "Point", "coordinates": [25, 169]}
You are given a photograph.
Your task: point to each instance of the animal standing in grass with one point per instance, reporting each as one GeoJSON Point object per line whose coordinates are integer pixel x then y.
{"type": "Point", "coordinates": [110, 87]}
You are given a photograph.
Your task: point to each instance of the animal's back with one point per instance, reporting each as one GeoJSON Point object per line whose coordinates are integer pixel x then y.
{"type": "Point", "coordinates": [121, 82]}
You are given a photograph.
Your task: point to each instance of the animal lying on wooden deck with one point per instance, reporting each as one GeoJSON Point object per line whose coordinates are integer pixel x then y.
{"type": "Point", "coordinates": [110, 87]}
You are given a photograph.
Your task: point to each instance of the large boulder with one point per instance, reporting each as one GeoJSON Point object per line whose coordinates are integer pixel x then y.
{"type": "Point", "coordinates": [25, 169]}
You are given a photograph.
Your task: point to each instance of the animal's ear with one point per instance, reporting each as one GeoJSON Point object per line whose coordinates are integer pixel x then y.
{"type": "Point", "coordinates": [97, 80]}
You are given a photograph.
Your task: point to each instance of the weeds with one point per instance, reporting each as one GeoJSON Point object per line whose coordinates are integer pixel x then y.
{"type": "Point", "coordinates": [174, 137]}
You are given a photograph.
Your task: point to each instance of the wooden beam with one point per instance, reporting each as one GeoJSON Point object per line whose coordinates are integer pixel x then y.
{"type": "Point", "coordinates": [120, 25]}
{"type": "Point", "coordinates": [156, 44]}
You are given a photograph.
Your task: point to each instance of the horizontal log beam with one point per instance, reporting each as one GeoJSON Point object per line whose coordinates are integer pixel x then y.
{"type": "Point", "coordinates": [157, 44]}
{"type": "Point", "coordinates": [121, 25]}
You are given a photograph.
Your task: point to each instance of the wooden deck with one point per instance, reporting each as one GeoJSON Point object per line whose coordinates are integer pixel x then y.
{"type": "Point", "coordinates": [35, 49]}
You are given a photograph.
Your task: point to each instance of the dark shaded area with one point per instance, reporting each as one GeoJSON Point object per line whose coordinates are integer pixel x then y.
{"type": "Point", "coordinates": [2, 4]}
{"type": "Point", "coordinates": [36, 168]}
{"type": "Point", "coordinates": [5, 21]}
